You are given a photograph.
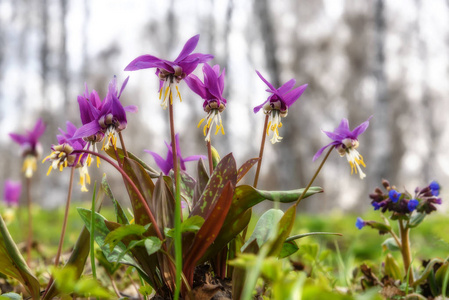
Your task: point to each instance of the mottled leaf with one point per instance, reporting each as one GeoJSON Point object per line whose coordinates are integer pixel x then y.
{"type": "Point", "coordinates": [203, 179]}
{"type": "Point", "coordinates": [164, 204]}
{"type": "Point", "coordinates": [208, 232]}
{"type": "Point", "coordinates": [187, 184]}
{"type": "Point", "coordinates": [225, 172]}
{"type": "Point", "coordinates": [12, 263]}
{"type": "Point", "coordinates": [144, 184]}
{"type": "Point", "coordinates": [246, 167]}
{"type": "Point", "coordinates": [264, 227]}
{"type": "Point", "coordinates": [120, 214]}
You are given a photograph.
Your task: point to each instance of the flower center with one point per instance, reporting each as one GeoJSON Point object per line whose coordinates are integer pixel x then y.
{"type": "Point", "coordinates": [61, 157]}
{"type": "Point", "coordinates": [274, 123]}
{"type": "Point", "coordinates": [213, 116]}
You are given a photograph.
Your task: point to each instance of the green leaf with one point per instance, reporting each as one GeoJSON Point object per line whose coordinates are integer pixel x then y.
{"type": "Point", "coordinates": [10, 296]}
{"type": "Point", "coordinates": [144, 184]}
{"type": "Point", "coordinates": [114, 237]}
{"type": "Point", "coordinates": [246, 167]}
{"type": "Point", "coordinates": [381, 227]}
{"type": "Point", "coordinates": [203, 179]}
{"type": "Point", "coordinates": [265, 225]}
{"type": "Point", "coordinates": [208, 232]}
{"type": "Point", "coordinates": [284, 228]}
{"type": "Point", "coordinates": [288, 248]}
{"type": "Point", "coordinates": [300, 236]}
{"type": "Point", "coordinates": [427, 271]}
{"type": "Point", "coordinates": [391, 244]}
{"type": "Point", "coordinates": [121, 216]}
{"type": "Point", "coordinates": [152, 244]}
{"type": "Point", "coordinates": [12, 263]}
{"type": "Point", "coordinates": [192, 224]}
{"type": "Point", "coordinates": [215, 157]}
{"type": "Point", "coordinates": [187, 184]}
{"type": "Point", "coordinates": [416, 219]}
{"type": "Point", "coordinates": [392, 268]}
{"type": "Point", "coordinates": [164, 204]}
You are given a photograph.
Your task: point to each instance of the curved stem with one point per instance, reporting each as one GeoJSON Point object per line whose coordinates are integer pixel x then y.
{"type": "Point", "coordinates": [66, 216]}
{"type": "Point", "coordinates": [405, 250]}
{"type": "Point", "coordinates": [122, 143]}
{"type": "Point", "coordinates": [314, 176]}
{"type": "Point", "coordinates": [133, 186]}
{"type": "Point", "coordinates": [262, 146]}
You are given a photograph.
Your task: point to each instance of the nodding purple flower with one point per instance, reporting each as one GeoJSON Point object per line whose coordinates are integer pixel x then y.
{"type": "Point", "coordinates": [346, 142]}
{"type": "Point", "coordinates": [63, 154]}
{"type": "Point", "coordinates": [277, 104]}
{"type": "Point", "coordinates": [11, 193]}
{"type": "Point", "coordinates": [171, 72]}
{"type": "Point", "coordinates": [31, 148]}
{"type": "Point", "coordinates": [212, 93]}
{"type": "Point", "coordinates": [435, 188]}
{"type": "Point", "coordinates": [103, 118]}
{"type": "Point", "coordinates": [394, 195]}
{"type": "Point", "coordinates": [412, 204]}
{"type": "Point", "coordinates": [167, 164]}
{"type": "Point", "coordinates": [360, 223]}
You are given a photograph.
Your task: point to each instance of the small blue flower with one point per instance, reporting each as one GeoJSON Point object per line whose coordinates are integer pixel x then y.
{"type": "Point", "coordinates": [376, 205]}
{"type": "Point", "coordinates": [360, 223]}
{"type": "Point", "coordinates": [412, 204]}
{"type": "Point", "coordinates": [435, 188]}
{"type": "Point", "coordinates": [394, 195]}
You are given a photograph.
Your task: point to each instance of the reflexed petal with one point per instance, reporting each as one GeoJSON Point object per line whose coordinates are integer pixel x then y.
{"type": "Point", "coordinates": [294, 95]}
{"type": "Point", "coordinates": [145, 62]}
{"type": "Point", "coordinates": [87, 130]}
{"type": "Point", "coordinates": [123, 86]}
{"type": "Point", "coordinates": [287, 86]}
{"type": "Point", "coordinates": [319, 152]}
{"type": "Point", "coordinates": [257, 108]}
{"type": "Point", "coordinates": [188, 66]}
{"type": "Point", "coordinates": [161, 163]}
{"type": "Point", "coordinates": [188, 47]}
{"type": "Point", "coordinates": [266, 82]}
{"type": "Point", "coordinates": [334, 136]}
{"type": "Point", "coordinates": [361, 128]}
{"type": "Point", "coordinates": [38, 130]}
{"type": "Point", "coordinates": [19, 139]}
{"type": "Point", "coordinates": [132, 108]}
{"type": "Point", "coordinates": [194, 157]}
{"type": "Point", "coordinates": [196, 85]}
{"type": "Point", "coordinates": [85, 110]}
{"type": "Point", "coordinates": [211, 81]}
{"type": "Point", "coordinates": [221, 81]}
{"type": "Point", "coordinates": [201, 57]}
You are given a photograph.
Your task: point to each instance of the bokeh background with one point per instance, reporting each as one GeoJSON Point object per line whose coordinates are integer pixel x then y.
{"type": "Point", "coordinates": [388, 59]}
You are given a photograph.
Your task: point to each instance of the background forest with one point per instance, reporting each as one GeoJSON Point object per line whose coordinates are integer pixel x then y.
{"type": "Point", "coordinates": [360, 58]}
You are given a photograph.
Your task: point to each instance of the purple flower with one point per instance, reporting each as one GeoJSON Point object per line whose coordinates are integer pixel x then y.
{"type": "Point", "coordinates": [212, 93]}
{"type": "Point", "coordinates": [394, 195]}
{"type": "Point", "coordinates": [102, 118]}
{"type": "Point", "coordinates": [360, 223]}
{"type": "Point", "coordinates": [412, 204]}
{"type": "Point", "coordinates": [171, 72]}
{"type": "Point", "coordinates": [435, 188]}
{"type": "Point", "coordinates": [64, 155]}
{"type": "Point", "coordinates": [31, 148]}
{"type": "Point", "coordinates": [278, 103]}
{"type": "Point", "coordinates": [346, 143]}
{"type": "Point", "coordinates": [11, 193]}
{"type": "Point", "coordinates": [167, 164]}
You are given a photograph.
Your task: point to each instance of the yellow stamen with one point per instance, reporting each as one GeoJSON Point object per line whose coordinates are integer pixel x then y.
{"type": "Point", "coordinates": [65, 163]}
{"type": "Point", "coordinates": [61, 167]}
{"type": "Point", "coordinates": [179, 94]}
{"type": "Point", "coordinates": [79, 159]}
{"type": "Point", "coordinates": [165, 95]}
{"type": "Point", "coordinates": [160, 92]}
{"type": "Point", "coordinates": [47, 157]}
{"type": "Point", "coordinates": [98, 162]}
{"type": "Point", "coordinates": [268, 128]}
{"type": "Point", "coordinates": [171, 98]}
{"type": "Point", "coordinates": [49, 170]}
{"type": "Point", "coordinates": [201, 121]}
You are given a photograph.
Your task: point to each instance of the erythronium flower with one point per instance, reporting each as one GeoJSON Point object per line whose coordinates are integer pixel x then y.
{"type": "Point", "coordinates": [103, 118]}
{"type": "Point", "coordinates": [167, 164]}
{"type": "Point", "coordinates": [11, 193]}
{"type": "Point", "coordinates": [63, 155]}
{"type": "Point", "coordinates": [212, 93]}
{"type": "Point", "coordinates": [31, 148]}
{"type": "Point", "coordinates": [171, 72]}
{"type": "Point", "coordinates": [278, 103]}
{"type": "Point", "coordinates": [346, 143]}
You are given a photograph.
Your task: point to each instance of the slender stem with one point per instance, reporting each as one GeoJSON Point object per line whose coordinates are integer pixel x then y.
{"type": "Point", "coordinates": [396, 238]}
{"type": "Point", "coordinates": [209, 153]}
{"type": "Point", "coordinates": [405, 250]}
{"type": "Point", "coordinates": [30, 220]}
{"type": "Point", "coordinates": [262, 146]}
{"type": "Point", "coordinates": [66, 217]}
{"type": "Point", "coordinates": [314, 176]}
{"type": "Point", "coordinates": [123, 144]}
{"type": "Point", "coordinates": [114, 286]}
{"type": "Point", "coordinates": [92, 233]}
{"type": "Point", "coordinates": [177, 217]}
{"type": "Point", "coordinates": [133, 186]}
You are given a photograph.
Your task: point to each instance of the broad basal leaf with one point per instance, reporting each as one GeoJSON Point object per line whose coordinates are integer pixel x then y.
{"type": "Point", "coordinates": [246, 167]}
{"type": "Point", "coordinates": [120, 214]}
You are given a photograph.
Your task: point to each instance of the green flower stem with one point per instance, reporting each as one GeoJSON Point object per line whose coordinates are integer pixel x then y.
{"type": "Point", "coordinates": [405, 250]}
{"type": "Point", "coordinates": [66, 217]}
{"type": "Point", "coordinates": [30, 220]}
{"type": "Point", "coordinates": [122, 143]}
{"type": "Point", "coordinates": [262, 146]}
{"type": "Point", "coordinates": [314, 176]}
{"type": "Point", "coordinates": [133, 186]}
{"type": "Point", "coordinates": [177, 217]}
{"type": "Point", "coordinates": [92, 230]}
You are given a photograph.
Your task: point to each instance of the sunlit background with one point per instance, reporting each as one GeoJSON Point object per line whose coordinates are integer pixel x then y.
{"type": "Point", "coordinates": [360, 58]}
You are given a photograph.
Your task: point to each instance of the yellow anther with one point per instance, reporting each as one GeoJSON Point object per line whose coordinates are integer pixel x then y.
{"type": "Point", "coordinates": [98, 162]}
{"type": "Point", "coordinates": [46, 158]}
{"type": "Point", "coordinates": [65, 163]}
{"type": "Point", "coordinates": [166, 91]}
{"type": "Point", "coordinates": [179, 94]}
{"type": "Point", "coordinates": [49, 170]}
{"type": "Point", "coordinates": [171, 98]}
{"type": "Point", "coordinates": [268, 128]}
{"type": "Point", "coordinates": [61, 167]}
{"type": "Point", "coordinates": [160, 92]}
{"type": "Point", "coordinates": [201, 121]}
{"type": "Point", "coordinates": [61, 154]}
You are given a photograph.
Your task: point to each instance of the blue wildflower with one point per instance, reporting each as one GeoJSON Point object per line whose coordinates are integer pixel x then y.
{"type": "Point", "coordinates": [394, 195]}
{"type": "Point", "coordinates": [412, 204]}
{"type": "Point", "coordinates": [435, 188]}
{"type": "Point", "coordinates": [360, 223]}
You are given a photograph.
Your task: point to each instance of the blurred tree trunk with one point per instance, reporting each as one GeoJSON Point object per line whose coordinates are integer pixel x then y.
{"type": "Point", "coordinates": [44, 51]}
{"type": "Point", "coordinates": [63, 72]}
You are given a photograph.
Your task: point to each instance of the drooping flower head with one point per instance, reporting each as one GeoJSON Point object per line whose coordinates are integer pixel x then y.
{"type": "Point", "coordinates": [211, 91]}
{"type": "Point", "coordinates": [31, 148]}
{"type": "Point", "coordinates": [103, 118]}
{"type": "Point", "coordinates": [171, 72]}
{"type": "Point", "coordinates": [64, 155]}
{"type": "Point", "coordinates": [11, 192]}
{"type": "Point", "coordinates": [277, 104]}
{"type": "Point", "coordinates": [346, 143]}
{"type": "Point", "coordinates": [167, 164]}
